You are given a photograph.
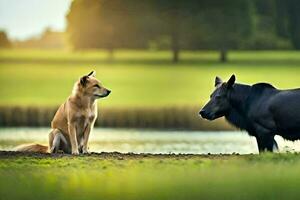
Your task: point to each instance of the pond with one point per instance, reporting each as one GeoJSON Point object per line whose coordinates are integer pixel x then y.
{"type": "Point", "coordinates": [150, 141]}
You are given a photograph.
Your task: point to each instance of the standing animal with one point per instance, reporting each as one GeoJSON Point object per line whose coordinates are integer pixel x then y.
{"type": "Point", "coordinates": [74, 119]}
{"type": "Point", "coordinates": [260, 109]}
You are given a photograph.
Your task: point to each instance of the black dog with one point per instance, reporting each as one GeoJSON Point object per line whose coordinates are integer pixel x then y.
{"type": "Point", "coordinates": [261, 109]}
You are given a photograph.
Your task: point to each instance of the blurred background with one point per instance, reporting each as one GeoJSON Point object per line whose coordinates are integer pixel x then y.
{"type": "Point", "coordinates": [159, 58]}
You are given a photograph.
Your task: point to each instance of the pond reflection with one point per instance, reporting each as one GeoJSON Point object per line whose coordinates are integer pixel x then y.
{"type": "Point", "coordinates": [149, 141]}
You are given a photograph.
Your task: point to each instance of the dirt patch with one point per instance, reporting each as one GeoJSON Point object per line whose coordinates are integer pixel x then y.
{"type": "Point", "coordinates": [113, 155]}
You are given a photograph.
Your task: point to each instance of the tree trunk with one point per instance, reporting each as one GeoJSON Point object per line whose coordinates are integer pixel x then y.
{"type": "Point", "coordinates": [175, 36]}
{"type": "Point", "coordinates": [223, 55]}
{"type": "Point", "coordinates": [175, 49]}
{"type": "Point", "coordinates": [294, 20]}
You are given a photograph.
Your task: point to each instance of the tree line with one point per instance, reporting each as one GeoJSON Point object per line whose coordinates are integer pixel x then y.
{"type": "Point", "coordinates": [184, 25]}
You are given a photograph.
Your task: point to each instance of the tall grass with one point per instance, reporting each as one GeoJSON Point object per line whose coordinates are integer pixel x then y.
{"type": "Point", "coordinates": [155, 118]}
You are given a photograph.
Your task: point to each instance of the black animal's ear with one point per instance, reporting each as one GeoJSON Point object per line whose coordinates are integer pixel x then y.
{"type": "Point", "coordinates": [231, 81]}
{"type": "Point", "coordinates": [92, 73]}
{"type": "Point", "coordinates": [218, 81]}
{"type": "Point", "coordinates": [84, 80]}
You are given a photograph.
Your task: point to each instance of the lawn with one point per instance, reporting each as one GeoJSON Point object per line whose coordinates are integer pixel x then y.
{"type": "Point", "coordinates": [137, 78]}
{"type": "Point", "coordinates": [119, 176]}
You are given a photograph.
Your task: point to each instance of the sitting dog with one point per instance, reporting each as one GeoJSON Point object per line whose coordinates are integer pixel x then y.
{"type": "Point", "coordinates": [74, 119]}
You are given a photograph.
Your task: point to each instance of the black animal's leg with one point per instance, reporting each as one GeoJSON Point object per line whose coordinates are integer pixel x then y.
{"type": "Point", "coordinates": [266, 143]}
{"type": "Point", "coordinates": [260, 145]}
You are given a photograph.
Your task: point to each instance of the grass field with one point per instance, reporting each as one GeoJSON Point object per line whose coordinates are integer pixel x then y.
{"type": "Point", "coordinates": [119, 176]}
{"type": "Point", "coordinates": [137, 78]}
{"type": "Point", "coordinates": [143, 79]}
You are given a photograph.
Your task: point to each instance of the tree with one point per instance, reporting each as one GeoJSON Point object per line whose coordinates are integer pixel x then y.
{"type": "Point", "coordinates": [288, 20]}
{"type": "Point", "coordinates": [177, 21]}
{"type": "Point", "coordinates": [224, 24]}
{"type": "Point", "coordinates": [230, 21]}
{"type": "Point", "coordinates": [293, 7]}
{"type": "Point", "coordinates": [169, 15]}
{"type": "Point", "coordinates": [112, 24]}
{"type": "Point", "coordinates": [107, 24]}
{"type": "Point", "coordinates": [4, 41]}
{"type": "Point", "coordinates": [281, 19]}
{"type": "Point", "coordinates": [86, 28]}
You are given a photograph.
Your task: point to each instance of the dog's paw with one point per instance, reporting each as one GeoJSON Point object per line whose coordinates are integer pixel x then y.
{"type": "Point", "coordinates": [85, 152]}
{"type": "Point", "coordinates": [75, 152]}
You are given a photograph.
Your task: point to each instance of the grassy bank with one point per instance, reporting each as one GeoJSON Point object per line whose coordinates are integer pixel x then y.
{"type": "Point", "coordinates": [137, 78]}
{"type": "Point", "coordinates": [156, 118]}
{"type": "Point", "coordinates": [129, 176]}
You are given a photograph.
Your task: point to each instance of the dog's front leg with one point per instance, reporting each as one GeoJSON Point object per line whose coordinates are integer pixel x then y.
{"type": "Point", "coordinates": [73, 139]}
{"type": "Point", "coordinates": [86, 138]}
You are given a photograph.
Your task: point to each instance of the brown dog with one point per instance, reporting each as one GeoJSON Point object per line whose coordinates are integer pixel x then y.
{"type": "Point", "coordinates": [74, 120]}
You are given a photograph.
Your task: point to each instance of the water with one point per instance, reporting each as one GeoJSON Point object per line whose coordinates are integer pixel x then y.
{"type": "Point", "coordinates": [146, 141]}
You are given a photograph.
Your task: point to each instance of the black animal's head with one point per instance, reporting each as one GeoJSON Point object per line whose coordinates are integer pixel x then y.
{"type": "Point", "coordinates": [218, 105]}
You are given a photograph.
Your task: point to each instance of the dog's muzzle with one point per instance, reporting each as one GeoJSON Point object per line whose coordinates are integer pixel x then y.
{"type": "Point", "coordinates": [103, 95]}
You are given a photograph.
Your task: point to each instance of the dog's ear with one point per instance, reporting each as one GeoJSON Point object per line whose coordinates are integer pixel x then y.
{"type": "Point", "coordinates": [84, 80]}
{"type": "Point", "coordinates": [231, 81]}
{"type": "Point", "coordinates": [92, 73]}
{"type": "Point", "coordinates": [218, 81]}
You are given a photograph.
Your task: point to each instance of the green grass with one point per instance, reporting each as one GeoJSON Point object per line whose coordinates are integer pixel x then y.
{"type": "Point", "coordinates": [126, 177]}
{"type": "Point", "coordinates": [137, 78]}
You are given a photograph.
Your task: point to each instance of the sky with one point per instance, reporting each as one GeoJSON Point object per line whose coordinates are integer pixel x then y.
{"type": "Point", "coordinates": [22, 19]}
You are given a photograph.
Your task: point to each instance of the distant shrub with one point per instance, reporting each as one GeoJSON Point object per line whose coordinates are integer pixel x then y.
{"type": "Point", "coordinates": [266, 41]}
{"type": "Point", "coordinates": [4, 41]}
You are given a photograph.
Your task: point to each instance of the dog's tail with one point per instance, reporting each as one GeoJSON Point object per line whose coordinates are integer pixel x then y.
{"type": "Point", "coordinates": [38, 148]}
